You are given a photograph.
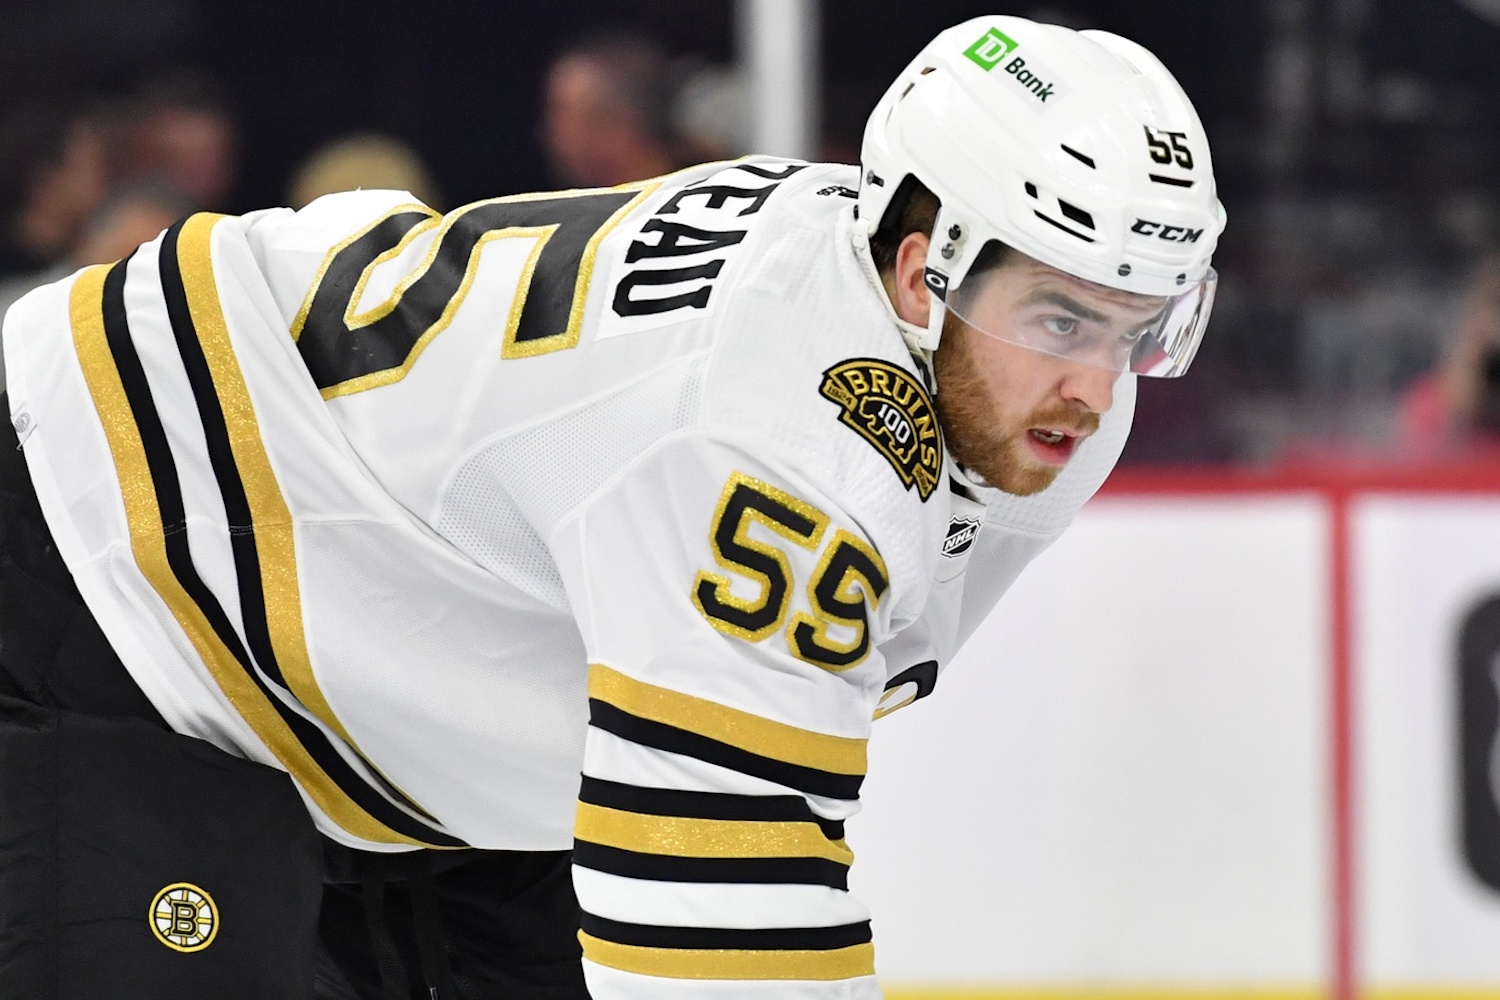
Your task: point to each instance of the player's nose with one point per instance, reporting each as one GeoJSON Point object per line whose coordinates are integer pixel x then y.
{"type": "Point", "coordinates": [1089, 385]}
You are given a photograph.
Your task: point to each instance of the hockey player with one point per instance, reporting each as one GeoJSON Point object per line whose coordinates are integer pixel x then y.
{"type": "Point", "coordinates": [385, 526]}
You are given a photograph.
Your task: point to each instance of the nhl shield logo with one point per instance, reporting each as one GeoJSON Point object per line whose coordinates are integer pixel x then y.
{"type": "Point", "coordinates": [961, 534]}
{"type": "Point", "coordinates": [890, 409]}
{"type": "Point", "coordinates": [184, 917]}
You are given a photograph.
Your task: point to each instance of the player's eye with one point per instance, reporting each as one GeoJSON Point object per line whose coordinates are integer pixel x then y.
{"type": "Point", "coordinates": [1061, 326]}
{"type": "Point", "coordinates": [1131, 336]}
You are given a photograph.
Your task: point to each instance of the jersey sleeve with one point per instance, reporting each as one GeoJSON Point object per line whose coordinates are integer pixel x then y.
{"type": "Point", "coordinates": [732, 612]}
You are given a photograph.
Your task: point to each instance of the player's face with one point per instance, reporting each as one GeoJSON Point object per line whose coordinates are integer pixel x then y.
{"type": "Point", "coordinates": [1016, 414]}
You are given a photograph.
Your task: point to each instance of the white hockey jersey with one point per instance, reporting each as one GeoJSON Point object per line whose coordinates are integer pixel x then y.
{"type": "Point", "coordinates": [438, 512]}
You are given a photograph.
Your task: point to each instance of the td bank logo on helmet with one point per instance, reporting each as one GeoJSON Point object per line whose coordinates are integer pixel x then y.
{"type": "Point", "coordinates": [997, 48]}
{"type": "Point", "coordinates": [991, 49]}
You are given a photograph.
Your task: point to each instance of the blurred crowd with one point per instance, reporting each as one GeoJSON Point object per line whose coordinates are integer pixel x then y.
{"type": "Point", "coordinates": [84, 180]}
{"type": "Point", "coordinates": [1319, 347]}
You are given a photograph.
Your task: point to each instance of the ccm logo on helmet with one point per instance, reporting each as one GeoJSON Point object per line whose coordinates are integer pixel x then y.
{"type": "Point", "coordinates": [1162, 231]}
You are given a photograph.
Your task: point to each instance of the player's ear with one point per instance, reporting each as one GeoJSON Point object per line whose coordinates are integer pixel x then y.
{"type": "Point", "coordinates": [911, 294]}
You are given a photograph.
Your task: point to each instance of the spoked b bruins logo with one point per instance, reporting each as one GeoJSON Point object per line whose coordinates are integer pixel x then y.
{"type": "Point", "coordinates": [891, 410]}
{"type": "Point", "coordinates": [184, 917]}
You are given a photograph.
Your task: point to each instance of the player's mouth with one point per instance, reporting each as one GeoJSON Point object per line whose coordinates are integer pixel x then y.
{"type": "Point", "coordinates": [1052, 445]}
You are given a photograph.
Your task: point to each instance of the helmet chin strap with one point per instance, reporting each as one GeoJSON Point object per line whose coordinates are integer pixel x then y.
{"type": "Point", "coordinates": [937, 310]}
{"type": "Point", "coordinates": [944, 267]}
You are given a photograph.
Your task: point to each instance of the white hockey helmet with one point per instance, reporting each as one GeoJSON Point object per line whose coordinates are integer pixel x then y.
{"type": "Point", "coordinates": [1078, 149]}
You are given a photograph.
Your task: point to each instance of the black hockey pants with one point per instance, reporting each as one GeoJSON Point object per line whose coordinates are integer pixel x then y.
{"type": "Point", "coordinates": [137, 862]}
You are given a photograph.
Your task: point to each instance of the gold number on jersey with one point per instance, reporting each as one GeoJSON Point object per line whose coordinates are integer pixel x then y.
{"type": "Point", "coordinates": [849, 579]}
{"type": "Point", "coordinates": [748, 501]}
{"type": "Point", "coordinates": [349, 347]}
{"type": "Point", "coordinates": [849, 572]}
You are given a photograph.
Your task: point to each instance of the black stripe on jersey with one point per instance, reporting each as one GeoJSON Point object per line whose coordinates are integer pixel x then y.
{"type": "Point", "coordinates": [705, 805]}
{"type": "Point", "coordinates": [961, 489]}
{"type": "Point", "coordinates": [326, 351]}
{"type": "Point", "coordinates": [221, 457]}
{"type": "Point", "coordinates": [660, 736]}
{"type": "Point", "coordinates": [242, 531]}
{"type": "Point", "coordinates": [153, 435]}
{"type": "Point", "coordinates": [749, 871]}
{"type": "Point", "coordinates": [924, 675]}
{"type": "Point", "coordinates": [727, 938]}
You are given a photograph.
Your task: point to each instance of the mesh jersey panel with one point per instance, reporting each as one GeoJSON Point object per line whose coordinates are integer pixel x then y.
{"type": "Point", "coordinates": [502, 499]}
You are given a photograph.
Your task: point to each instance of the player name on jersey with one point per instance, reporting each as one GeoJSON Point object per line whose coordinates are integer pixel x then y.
{"type": "Point", "coordinates": [679, 256]}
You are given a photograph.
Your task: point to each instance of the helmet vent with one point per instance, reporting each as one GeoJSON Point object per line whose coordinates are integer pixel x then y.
{"type": "Point", "coordinates": [928, 69]}
{"type": "Point", "coordinates": [1076, 214]}
{"type": "Point", "coordinates": [1031, 189]}
{"type": "Point", "coordinates": [1174, 181]}
{"type": "Point", "coordinates": [1053, 222]}
{"type": "Point", "coordinates": [1087, 161]}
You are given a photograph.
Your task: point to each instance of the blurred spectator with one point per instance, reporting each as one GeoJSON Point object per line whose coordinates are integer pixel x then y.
{"type": "Point", "coordinates": [1455, 409]}
{"type": "Point", "coordinates": [363, 160]}
{"type": "Point", "coordinates": [129, 216]}
{"type": "Point", "coordinates": [607, 116]}
{"type": "Point", "coordinates": [53, 173]}
{"type": "Point", "coordinates": [181, 131]}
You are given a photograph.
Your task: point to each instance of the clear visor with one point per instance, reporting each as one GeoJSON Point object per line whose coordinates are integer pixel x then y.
{"type": "Point", "coordinates": [1048, 311]}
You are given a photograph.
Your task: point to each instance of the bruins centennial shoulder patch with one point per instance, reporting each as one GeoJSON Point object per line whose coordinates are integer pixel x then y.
{"type": "Point", "coordinates": [890, 409]}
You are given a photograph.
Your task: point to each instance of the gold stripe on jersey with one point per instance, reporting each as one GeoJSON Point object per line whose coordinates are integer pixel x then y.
{"type": "Point", "coordinates": [751, 733]}
{"type": "Point", "coordinates": [706, 963]}
{"type": "Point", "coordinates": [685, 837]}
{"type": "Point", "coordinates": [881, 711]}
{"type": "Point", "coordinates": [86, 315]}
{"type": "Point", "coordinates": [268, 509]}
{"type": "Point", "coordinates": [148, 546]}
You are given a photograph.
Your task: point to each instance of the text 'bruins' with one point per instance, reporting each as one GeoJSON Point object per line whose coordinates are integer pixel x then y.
{"type": "Point", "coordinates": [891, 410]}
